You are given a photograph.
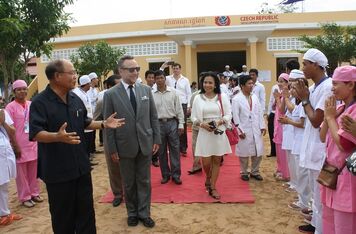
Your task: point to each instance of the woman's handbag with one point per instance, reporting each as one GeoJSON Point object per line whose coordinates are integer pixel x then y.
{"type": "Point", "coordinates": [351, 163]}
{"type": "Point", "coordinates": [231, 133]}
{"type": "Point", "coordinates": [328, 175]}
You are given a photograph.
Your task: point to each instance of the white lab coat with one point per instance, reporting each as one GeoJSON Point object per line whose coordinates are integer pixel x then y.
{"type": "Point", "coordinates": [250, 122]}
{"type": "Point", "coordinates": [7, 156]}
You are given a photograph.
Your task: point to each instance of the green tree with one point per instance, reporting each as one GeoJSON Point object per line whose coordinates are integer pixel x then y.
{"type": "Point", "coordinates": [26, 26]}
{"type": "Point", "coordinates": [100, 58]}
{"type": "Point", "coordinates": [336, 42]}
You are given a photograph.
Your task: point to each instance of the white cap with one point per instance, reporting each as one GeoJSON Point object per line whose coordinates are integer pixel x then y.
{"type": "Point", "coordinates": [296, 74]}
{"type": "Point", "coordinates": [227, 66]}
{"type": "Point", "coordinates": [93, 75]}
{"type": "Point", "coordinates": [244, 66]}
{"type": "Point", "coordinates": [83, 80]}
{"type": "Point", "coordinates": [316, 56]}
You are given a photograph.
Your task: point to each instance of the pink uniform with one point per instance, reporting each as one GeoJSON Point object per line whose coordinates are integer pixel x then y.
{"type": "Point", "coordinates": [26, 180]}
{"type": "Point", "coordinates": [339, 206]}
{"type": "Point", "coordinates": [282, 164]}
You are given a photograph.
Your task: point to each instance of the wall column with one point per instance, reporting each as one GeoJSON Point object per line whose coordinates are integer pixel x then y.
{"type": "Point", "coordinates": [188, 45]}
{"type": "Point", "coordinates": [252, 42]}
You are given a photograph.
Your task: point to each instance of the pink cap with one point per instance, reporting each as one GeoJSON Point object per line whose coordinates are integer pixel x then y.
{"type": "Point", "coordinates": [285, 76]}
{"type": "Point", "coordinates": [345, 73]}
{"type": "Point", "coordinates": [19, 84]}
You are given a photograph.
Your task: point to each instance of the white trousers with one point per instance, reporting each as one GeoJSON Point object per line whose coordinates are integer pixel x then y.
{"type": "Point", "coordinates": [4, 199]}
{"type": "Point", "coordinates": [303, 185]}
{"type": "Point", "coordinates": [292, 167]}
{"type": "Point", "coordinates": [316, 221]}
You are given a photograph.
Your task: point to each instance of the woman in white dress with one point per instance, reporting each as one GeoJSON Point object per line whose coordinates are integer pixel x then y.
{"type": "Point", "coordinates": [212, 142]}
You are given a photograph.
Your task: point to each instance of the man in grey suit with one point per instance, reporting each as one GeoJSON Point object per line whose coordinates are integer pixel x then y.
{"type": "Point", "coordinates": [134, 143]}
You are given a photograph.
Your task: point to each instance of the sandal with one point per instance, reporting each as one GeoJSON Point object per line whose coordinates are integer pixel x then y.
{"type": "Point", "coordinates": [208, 186]}
{"type": "Point", "coordinates": [37, 199]}
{"type": "Point", "coordinates": [214, 194]}
{"type": "Point", "coordinates": [8, 219]}
{"type": "Point", "coordinates": [28, 204]}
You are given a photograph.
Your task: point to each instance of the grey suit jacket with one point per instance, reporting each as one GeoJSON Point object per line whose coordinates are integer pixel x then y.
{"type": "Point", "coordinates": [140, 132]}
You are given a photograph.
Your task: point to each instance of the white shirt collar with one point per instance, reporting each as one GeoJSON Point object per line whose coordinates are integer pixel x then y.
{"type": "Point", "coordinates": [126, 86]}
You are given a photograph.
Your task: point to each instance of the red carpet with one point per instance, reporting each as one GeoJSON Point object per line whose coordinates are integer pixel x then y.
{"type": "Point", "coordinates": [229, 185]}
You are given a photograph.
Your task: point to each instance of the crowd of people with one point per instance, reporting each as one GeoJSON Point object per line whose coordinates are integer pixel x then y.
{"type": "Point", "coordinates": [311, 130]}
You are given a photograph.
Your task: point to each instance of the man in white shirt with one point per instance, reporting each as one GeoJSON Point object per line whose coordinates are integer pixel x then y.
{"type": "Point", "coordinates": [81, 91]}
{"type": "Point", "coordinates": [182, 86]}
{"type": "Point", "coordinates": [93, 96]}
{"type": "Point", "coordinates": [258, 89]}
{"type": "Point", "coordinates": [313, 151]}
{"type": "Point", "coordinates": [223, 85]}
{"type": "Point", "coordinates": [271, 112]}
{"type": "Point", "coordinates": [227, 72]}
{"type": "Point", "coordinates": [244, 71]}
{"type": "Point", "coordinates": [171, 121]}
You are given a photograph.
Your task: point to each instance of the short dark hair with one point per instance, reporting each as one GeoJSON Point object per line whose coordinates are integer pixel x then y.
{"type": "Point", "coordinates": [292, 64]}
{"type": "Point", "coordinates": [148, 72]}
{"type": "Point", "coordinates": [216, 80]}
{"type": "Point", "coordinates": [159, 73]}
{"type": "Point", "coordinates": [254, 70]}
{"type": "Point", "coordinates": [110, 81]}
{"type": "Point", "coordinates": [176, 65]}
{"type": "Point", "coordinates": [53, 67]}
{"type": "Point", "coordinates": [243, 79]}
{"type": "Point", "coordinates": [123, 59]}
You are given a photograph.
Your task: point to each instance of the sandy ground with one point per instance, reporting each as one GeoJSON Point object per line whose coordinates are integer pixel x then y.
{"type": "Point", "coordinates": [269, 214]}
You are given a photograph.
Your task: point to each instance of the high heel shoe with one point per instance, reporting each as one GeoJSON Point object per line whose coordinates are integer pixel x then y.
{"type": "Point", "coordinates": [214, 194]}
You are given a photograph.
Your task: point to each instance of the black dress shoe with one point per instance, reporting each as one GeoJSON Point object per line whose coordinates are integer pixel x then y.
{"type": "Point", "coordinates": [177, 180]}
{"type": "Point", "coordinates": [270, 155]}
{"type": "Point", "coordinates": [93, 164]}
{"type": "Point", "coordinates": [132, 221]}
{"type": "Point", "coordinates": [245, 177]}
{"type": "Point", "coordinates": [148, 222]}
{"type": "Point", "coordinates": [116, 202]}
{"type": "Point", "coordinates": [256, 177]}
{"type": "Point", "coordinates": [164, 180]}
{"type": "Point", "coordinates": [155, 163]}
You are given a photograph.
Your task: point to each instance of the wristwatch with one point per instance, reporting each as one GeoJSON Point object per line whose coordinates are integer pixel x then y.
{"type": "Point", "coordinates": [305, 102]}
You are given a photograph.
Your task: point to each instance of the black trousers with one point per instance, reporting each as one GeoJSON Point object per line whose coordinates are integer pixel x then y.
{"type": "Point", "coordinates": [71, 206]}
{"type": "Point", "coordinates": [183, 139]}
{"type": "Point", "coordinates": [271, 133]}
{"type": "Point", "coordinates": [90, 142]}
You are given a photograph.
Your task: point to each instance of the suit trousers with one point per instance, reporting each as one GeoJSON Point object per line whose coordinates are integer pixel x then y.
{"type": "Point", "coordinates": [170, 140]}
{"type": "Point", "coordinates": [88, 139]}
{"type": "Point", "coordinates": [4, 199]}
{"type": "Point", "coordinates": [71, 206]}
{"type": "Point", "coordinates": [183, 139]}
{"type": "Point", "coordinates": [271, 133]}
{"type": "Point", "coordinates": [114, 175]}
{"type": "Point", "coordinates": [196, 161]}
{"type": "Point", "coordinates": [255, 165]}
{"type": "Point", "coordinates": [136, 175]}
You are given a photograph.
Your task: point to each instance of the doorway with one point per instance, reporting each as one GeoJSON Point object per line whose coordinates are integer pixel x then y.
{"type": "Point", "coordinates": [216, 61]}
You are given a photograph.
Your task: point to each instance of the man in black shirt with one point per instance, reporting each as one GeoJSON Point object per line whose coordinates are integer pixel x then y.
{"type": "Point", "coordinates": [58, 118]}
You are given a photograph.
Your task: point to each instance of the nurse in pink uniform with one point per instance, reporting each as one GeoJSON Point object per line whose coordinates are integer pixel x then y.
{"type": "Point", "coordinates": [339, 205]}
{"type": "Point", "coordinates": [282, 164]}
{"type": "Point", "coordinates": [26, 151]}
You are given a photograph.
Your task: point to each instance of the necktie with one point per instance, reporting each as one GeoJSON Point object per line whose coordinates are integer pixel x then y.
{"type": "Point", "coordinates": [132, 98]}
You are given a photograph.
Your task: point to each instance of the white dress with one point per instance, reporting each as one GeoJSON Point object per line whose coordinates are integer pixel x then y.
{"type": "Point", "coordinates": [206, 110]}
{"type": "Point", "coordinates": [7, 156]}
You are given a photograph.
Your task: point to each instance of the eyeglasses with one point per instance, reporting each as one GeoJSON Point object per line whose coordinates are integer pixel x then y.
{"type": "Point", "coordinates": [132, 69]}
{"type": "Point", "coordinates": [72, 73]}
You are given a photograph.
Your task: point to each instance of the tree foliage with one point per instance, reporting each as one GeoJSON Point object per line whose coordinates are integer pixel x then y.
{"type": "Point", "coordinates": [336, 42]}
{"type": "Point", "coordinates": [26, 26]}
{"type": "Point", "coordinates": [100, 58]}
